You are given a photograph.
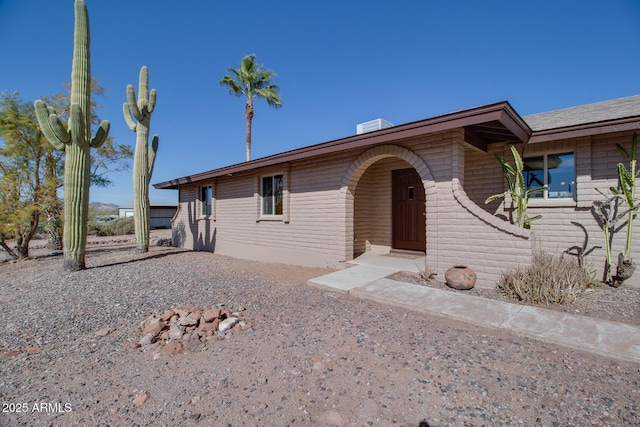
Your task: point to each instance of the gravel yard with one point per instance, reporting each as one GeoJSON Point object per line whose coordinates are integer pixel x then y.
{"type": "Point", "coordinates": [313, 357]}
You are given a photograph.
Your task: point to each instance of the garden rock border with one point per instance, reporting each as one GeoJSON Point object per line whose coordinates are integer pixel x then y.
{"type": "Point", "coordinates": [190, 327]}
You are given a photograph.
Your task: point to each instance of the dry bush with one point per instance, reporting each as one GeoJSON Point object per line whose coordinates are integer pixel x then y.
{"type": "Point", "coordinates": [427, 273]}
{"type": "Point", "coordinates": [549, 279]}
{"type": "Point", "coordinates": [117, 227]}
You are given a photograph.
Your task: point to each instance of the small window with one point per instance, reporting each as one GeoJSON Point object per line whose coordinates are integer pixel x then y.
{"type": "Point", "coordinates": [272, 195]}
{"type": "Point", "coordinates": [410, 195]}
{"type": "Point", "coordinates": [556, 171]}
{"type": "Point", "coordinates": [206, 197]}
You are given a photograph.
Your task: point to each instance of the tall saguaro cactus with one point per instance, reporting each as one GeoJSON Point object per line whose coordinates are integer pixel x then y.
{"type": "Point", "coordinates": [75, 139]}
{"type": "Point", "coordinates": [145, 155]}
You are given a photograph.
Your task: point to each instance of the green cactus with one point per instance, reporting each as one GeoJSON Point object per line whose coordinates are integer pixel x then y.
{"type": "Point", "coordinates": [145, 156]}
{"type": "Point", "coordinates": [517, 190]}
{"type": "Point", "coordinates": [75, 139]}
{"type": "Point", "coordinates": [627, 187]}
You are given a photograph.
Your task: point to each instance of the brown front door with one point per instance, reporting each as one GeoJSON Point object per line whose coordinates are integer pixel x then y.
{"type": "Point", "coordinates": [409, 231]}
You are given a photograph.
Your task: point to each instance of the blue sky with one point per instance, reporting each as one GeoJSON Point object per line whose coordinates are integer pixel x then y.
{"type": "Point", "coordinates": [338, 62]}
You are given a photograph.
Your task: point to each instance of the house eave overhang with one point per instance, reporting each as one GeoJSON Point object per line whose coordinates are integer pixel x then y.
{"type": "Point", "coordinates": [587, 129]}
{"type": "Point", "coordinates": [474, 121]}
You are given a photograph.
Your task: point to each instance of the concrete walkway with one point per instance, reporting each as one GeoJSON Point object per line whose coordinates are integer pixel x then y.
{"type": "Point", "coordinates": [368, 280]}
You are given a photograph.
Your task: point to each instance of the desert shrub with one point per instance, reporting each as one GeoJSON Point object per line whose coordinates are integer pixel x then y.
{"type": "Point", "coordinates": [117, 227]}
{"type": "Point", "coordinates": [549, 279]}
{"type": "Point", "coordinates": [123, 226]}
{"type": "Point", "coordinates": [427, 273]}
{"type": "Point", "coordinates": [94, 228]}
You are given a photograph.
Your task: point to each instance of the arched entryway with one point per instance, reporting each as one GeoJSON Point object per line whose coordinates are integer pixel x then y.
{"type": "Point", "coordinates": [386, 190]}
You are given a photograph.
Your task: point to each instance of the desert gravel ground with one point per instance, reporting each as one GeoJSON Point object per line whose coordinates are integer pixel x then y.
{"type": "Point", "coordinates": [313, 358]}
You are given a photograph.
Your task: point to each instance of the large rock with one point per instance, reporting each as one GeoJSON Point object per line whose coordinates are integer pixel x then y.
{"type": "Point", "coordinates": [167, 315]}
{"type": "Point", "coordinates": [175, 332]}
{"type": "Point", "coordinates": [147, 339]}
{"type": "Point", "coordinates": [212, 326]}
{"type": "Point", "coordinates": [211, 314]}
{"type": "Point", "coordinates": [227, 324]}
{"type": "Point", "coordinates": [187, 321]}
{"type": "Point", "coordinates": [153, 326]}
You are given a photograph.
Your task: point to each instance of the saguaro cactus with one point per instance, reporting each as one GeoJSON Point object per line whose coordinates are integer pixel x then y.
{"type": "Point", "coordinates": [145, 156]}
{"type": "Point", "coordinates": [75, 139]}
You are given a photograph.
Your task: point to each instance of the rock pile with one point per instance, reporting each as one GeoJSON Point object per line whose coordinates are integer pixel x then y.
{"type": "Point", "coordinates": [190, 327]}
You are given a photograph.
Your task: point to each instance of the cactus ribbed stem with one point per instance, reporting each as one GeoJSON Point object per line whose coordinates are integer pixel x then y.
{"type": "Point", "coordinates": [144, 157]}
{"type": "Point", "coordinates": [76, 208]}
{"type": "Point", "coordinates": [76, 141]}
{"type": "Point", "coordinates": [141, 203]}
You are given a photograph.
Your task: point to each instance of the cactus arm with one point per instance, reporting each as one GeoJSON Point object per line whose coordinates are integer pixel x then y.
{"type": "Point", "coordinates": [59, 129]}
{"type": "Point", "coordinates": [56, 125]}
{"type": "Point", "coordinates": [51, 126]}
{"type": "Point", "coordinates": [153, 150]}
{"type": "Point", "coordinates": [143, 90]}
{"type": "Point", "coordinates": [152, 101]}
{"type": "Point", "coordinates": [101, 134]}
{"type": "Point", "coordinates": [516, 158]}
{"type": "Point", "coordinates": [127, 117]}
{"type": "Point", "coordinates": [496, 197]}
{"type": "Point", "coordinates": [623, 151]}
{"type": "Point", "coordinates": [133, 105]}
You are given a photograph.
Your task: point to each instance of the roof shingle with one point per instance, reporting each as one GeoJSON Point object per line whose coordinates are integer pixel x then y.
{"type": "Point", "coordinates": [590, 113]}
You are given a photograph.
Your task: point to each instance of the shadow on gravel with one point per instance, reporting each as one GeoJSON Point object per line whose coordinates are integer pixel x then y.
{"type": "Point", "coordinates": [144, 258]}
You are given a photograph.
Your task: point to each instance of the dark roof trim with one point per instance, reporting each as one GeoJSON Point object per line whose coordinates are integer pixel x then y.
{"type": "Point", "coordinates": [587, 129]}
{"type": "Point", "coordinates": [501, 112]}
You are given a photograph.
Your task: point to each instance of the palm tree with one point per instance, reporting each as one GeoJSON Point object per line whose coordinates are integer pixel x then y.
{"type": "Point", "coordinates": [253, 81]}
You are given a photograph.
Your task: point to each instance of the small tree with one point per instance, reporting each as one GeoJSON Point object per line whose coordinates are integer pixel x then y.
{"type": "Point", "coordinates": [22, 173]}
{"type": "Point", "coordinates": [516, 192]}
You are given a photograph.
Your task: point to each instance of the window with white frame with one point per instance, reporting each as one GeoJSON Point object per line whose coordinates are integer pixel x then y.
{"type": "Point", "coordinates": [272, 195]}
{"type": "Point", "coordinates": [206, 199]}
{"type": "Point", "coordinates": [554, 170]}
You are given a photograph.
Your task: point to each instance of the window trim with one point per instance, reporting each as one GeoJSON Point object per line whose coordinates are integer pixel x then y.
{"type": "Point", "coordinates": [203, 211]}
{"type": "Point", "coordinates": [284, 170]}
{"type": "Point", "coordinates": [266, 216]}
{"type": "Point", "coordinates": [545, 200]}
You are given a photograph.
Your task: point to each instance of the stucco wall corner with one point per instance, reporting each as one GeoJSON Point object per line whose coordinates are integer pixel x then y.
{"type": "Point", "coordinates": [461, 197]}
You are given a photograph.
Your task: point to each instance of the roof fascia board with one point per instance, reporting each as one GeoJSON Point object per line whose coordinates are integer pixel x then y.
{"type": "Point", "coordinates": [501, 111]}
{"type": "Point", "coordinates": [588, 129]}
{"type": "Point", "coordinates": [516, 124]}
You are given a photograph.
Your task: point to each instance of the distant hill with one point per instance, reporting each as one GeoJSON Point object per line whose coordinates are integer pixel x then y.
{"type": "Point", "coordinates": [106, 208]}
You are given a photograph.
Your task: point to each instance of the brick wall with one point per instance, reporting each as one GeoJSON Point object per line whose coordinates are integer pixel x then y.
{"type": "Point", "coordinates": [566, 226]}
{"type": "Point", "coordinates": [332, 199]}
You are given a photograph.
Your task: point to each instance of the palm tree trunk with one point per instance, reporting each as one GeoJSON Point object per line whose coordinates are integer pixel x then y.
{"type": "Point", "coordinates": [249, 115]}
